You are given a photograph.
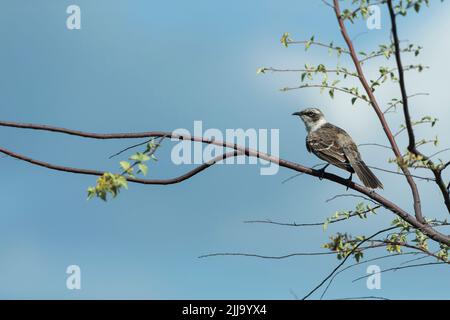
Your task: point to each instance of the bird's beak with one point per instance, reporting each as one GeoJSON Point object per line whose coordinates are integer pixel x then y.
{"type": "Point", "coordinates": [297, 113]}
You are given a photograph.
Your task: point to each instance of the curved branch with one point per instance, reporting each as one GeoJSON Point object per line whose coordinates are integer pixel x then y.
{"type": "Point", "coordinates": [426, 229]}
{"type": "Point", "coordinates": [175, 180]}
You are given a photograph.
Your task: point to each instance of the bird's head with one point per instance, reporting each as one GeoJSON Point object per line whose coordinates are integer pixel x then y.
{"type": "Point", "coordinates": [312, 117]}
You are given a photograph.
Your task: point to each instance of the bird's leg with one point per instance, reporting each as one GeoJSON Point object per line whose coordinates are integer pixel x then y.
{"type": "Point", "coordinates": [350, 179]}
{"type": "Point", "coordinates": [322, 171]}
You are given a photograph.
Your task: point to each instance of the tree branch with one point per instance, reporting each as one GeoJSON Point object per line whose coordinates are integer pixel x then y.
{"type": "Point", "coordinates": [312, 70]}
{"type": "Point", "coordinates": [314, 224]}
{"type": "Point", "coordinates": [169, 181]}
{"type": "Point", "coordinates": [363, 298]}
{"type": "Point", "coordinates": [377, 109]}
{"type": "Point", "coordinates": [266, 257]}
{"type": "Point", "coordinates": [346, 257]}
{"type": "Point", "coordinates": [408, 123]}
{"type": "Point", "coordinates": [426, 229]}
{"type": "Point", "coordinates": [362, 262]}
{"type": "Point", "coordinates": [407, 245]}
{"type": "Point", "coordinates": [319, 44]}
{"type": "Point", "coordinates": [304, 86]}
{"type": "Point", "coordinates": [401, 267]}
{"type": "Point", "coordinates": [394, 105]}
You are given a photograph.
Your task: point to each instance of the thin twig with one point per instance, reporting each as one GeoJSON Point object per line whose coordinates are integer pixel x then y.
{"type": "Point", "coordinates": [347, 256]}
{"type": "Point", "coordinates": [350, 195]}
{"type": "Point", "coordinates": [128, 148]}
{"type": "Point", "coordinates": [394, 105]}
{"type": "Point", "coordinates": [266, 257]}
{"type": "Point", "coordinates": [149, 154]}
{"type": "Point", "coordinates": [301, 173]}
{"type": "Point", "coordinates": [328, 4]}
{"type": "Point", "coordinates": [375, 144]}
{"type": "Point", "coordinates": [338, 71]}
{"type": "Point", "coordinates": [305, 86]}
{"type": "Point", "coordinates": [439, 152]}
{"type": "Point", "coordinates": [399, 268]}
{"type": "Point", "coordinates": [314, 224]}
{"type": "Point", "coordinates": [402, 174]}
{"type": "Point", "coordinates": [293, 294]}
{"type": "Point", "coordinates": [363, 298]}
{"type": "Point", "coordinates": [320, 44]}
{"type": "Point", "coordinates": [362, 262]}
{"type": "Point", "coordinates": [416, 259]}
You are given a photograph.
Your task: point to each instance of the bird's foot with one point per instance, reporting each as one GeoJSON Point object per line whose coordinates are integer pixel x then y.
{"type": "Point", "coordinates": [322, 171]}
{"type": "Point", "coordinates": [349, 179]}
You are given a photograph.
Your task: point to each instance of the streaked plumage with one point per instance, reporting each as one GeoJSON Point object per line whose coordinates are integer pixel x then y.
{"type": "Point", "coordinates": [335, 146]}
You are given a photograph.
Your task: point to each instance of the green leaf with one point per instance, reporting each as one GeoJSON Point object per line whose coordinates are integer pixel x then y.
{"type": "Point", "coordinates": [125, 165]}
{"type": "Point", "coordinates": [308, 43]}
{"type": "Point", "coordinates": [285, 39]}
{"type": "Point", "coordinates": [321, 68]}
{"type": "Point", "coordinates": [102, 195]}
{"type": "Point", "coordinates": [417, 6]}
{"type": "Point", "coordinates": [331, 92]}
{"type": "Point", "coordinates": [122, 182]}
{"type": "Point", "coordinates": [140, 157]}
{"type": "Point", "coordinates": [143, 168]}
{"type": "Point", "coordinates": [91, 193]}
{"type": "Point", "coordinates": [261, 70]}
{"type": "Point", "coordinates": [354, 100]}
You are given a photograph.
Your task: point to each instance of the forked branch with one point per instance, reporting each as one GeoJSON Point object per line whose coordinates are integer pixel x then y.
{"type": "Point", "coordinates": [412, 146]}
{"type": "Point", "coordinates": [237, 150]}
{"type": "Point", "coordinates": [380, 114]}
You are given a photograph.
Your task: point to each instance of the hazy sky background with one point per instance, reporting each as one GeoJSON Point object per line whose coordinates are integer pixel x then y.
{"type": "Point", "coordinates": [159, 65]}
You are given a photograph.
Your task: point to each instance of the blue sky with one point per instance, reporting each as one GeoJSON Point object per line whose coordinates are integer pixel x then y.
{"type": "Point", "coordinates": [160, 65]}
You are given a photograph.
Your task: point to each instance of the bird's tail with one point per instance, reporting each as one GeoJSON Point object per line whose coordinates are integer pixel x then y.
{"type": "Point", "coordinates": [365, 175]}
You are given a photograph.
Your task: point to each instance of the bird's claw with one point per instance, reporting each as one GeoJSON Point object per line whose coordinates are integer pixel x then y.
{"type": "Point", "coordinates": [322, 172]}
{"type": "Point", "coordinates": [349, 180]}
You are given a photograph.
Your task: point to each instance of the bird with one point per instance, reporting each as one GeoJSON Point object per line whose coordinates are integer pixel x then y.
{"type": "Point", "coordinates": [335, 146]}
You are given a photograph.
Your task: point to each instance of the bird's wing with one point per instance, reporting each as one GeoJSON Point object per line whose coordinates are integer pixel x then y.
{"type": "Point", "coordinates": [323, 143]}
{"type": "Point", "coordinates": [307, 145]}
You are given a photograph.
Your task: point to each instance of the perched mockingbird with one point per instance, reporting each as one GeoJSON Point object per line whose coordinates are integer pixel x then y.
{"type": "Point", "coordinates": [335, 146]}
